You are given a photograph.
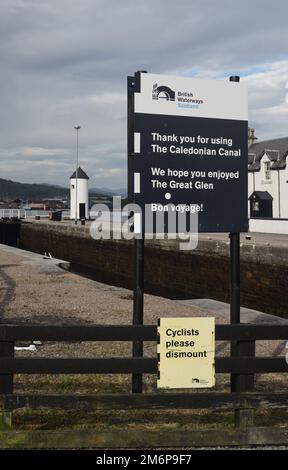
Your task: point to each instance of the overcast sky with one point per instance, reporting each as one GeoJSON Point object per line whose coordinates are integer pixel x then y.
{"type": "Point", "coordinates": [65, 62]}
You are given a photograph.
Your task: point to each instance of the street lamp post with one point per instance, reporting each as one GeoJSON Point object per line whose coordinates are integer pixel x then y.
{"type": "Point", "coordinates": [77, 128]}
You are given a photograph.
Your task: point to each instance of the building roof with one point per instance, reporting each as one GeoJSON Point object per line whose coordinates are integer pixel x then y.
{"type": "Point", "coordinates": [81, 174]}
{"type": "Point", "coordinates": [263, 195]}
{"type": "Point", "coordinates": [275, 149]}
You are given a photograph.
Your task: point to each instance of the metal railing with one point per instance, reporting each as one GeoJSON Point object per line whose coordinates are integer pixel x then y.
{"type": "Point", "coordinates": [12, 214]}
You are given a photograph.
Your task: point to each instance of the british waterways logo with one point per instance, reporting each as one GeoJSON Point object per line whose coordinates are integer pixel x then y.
{"type": "Point", "coordinates": [183, 99]}
{"type": "Point", "coordinates": [162, 92]}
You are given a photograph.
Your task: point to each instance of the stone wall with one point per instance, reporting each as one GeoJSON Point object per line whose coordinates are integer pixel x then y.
{"type": "Point", "coordinates": [202, 273]}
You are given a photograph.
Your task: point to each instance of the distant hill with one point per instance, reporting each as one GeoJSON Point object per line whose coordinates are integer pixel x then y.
{"type": "Point", "coordinates": [12, 190]}
{"type": "Point", "coordinates": [109, 192]}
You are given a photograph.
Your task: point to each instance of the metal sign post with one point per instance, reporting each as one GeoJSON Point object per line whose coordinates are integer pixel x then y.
{"type": "Point", "coordinates": [238, 383]}
{"type": "Point", "coordinates": [235, 265]}
{"type": "Point", "coordinates": [138, 296]}
{"type": "Point", "coordinates": [234, 297]}
{"type": "Point", "coordinates": [138, 306]}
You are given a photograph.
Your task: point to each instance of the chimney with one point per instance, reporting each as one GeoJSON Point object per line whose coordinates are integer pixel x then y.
{"type": "Point", "coordinates": [251, 137]}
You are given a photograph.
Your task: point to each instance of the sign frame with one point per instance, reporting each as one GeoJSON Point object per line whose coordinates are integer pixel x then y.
{"type": "Point", "coordinates": [186, 352]}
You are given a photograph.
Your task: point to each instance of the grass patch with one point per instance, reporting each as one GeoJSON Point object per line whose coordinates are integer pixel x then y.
{"type": "Point", "coordinates": [124, 420]}
{"type": "Point", "coordinates": [25, 419]}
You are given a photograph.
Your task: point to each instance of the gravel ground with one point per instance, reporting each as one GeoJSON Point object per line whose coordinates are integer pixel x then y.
{"type": "Point", "coordinates": [35, 289]}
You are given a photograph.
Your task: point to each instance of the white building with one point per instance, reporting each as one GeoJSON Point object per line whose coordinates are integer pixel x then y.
{"type": "Point", "coordinates": [268, 178]}
{"type": "Point", "coordinates": [80, 194]}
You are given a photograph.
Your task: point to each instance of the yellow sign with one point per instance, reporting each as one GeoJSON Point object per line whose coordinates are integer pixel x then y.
{"type": "Point", "coordinates": [186, 352]}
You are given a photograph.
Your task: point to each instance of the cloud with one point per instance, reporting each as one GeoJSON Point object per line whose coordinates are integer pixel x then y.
{"type": "Point", "coordinates": [267, 99]}
{"type": "Point", "coordinates": [107, 98]}
{"type": "Point", "coordinates": [107, 173]}
{"type": "Point", "coordinates": [65, 62]}
{"type": "Point", "coordinates": [39, 151]}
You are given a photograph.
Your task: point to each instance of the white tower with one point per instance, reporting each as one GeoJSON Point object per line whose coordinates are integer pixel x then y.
{"type": "Point", "coordinates": [81, 195]}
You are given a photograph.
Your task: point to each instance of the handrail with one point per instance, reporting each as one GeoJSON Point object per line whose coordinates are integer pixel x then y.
{"type": "Point", "coordinates": [241, 332]}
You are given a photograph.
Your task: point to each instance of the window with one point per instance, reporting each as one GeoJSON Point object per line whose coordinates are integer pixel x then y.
{"type": "Point", "coordinates": [256, 207]}
{"type": "Point", "coordinates": [267, 170]}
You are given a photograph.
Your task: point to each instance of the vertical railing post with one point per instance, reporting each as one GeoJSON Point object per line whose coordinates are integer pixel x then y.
{"type": "Point", "coordinates": [244, 417]}
{"type": "Point", "coordinates": [6, 383]}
